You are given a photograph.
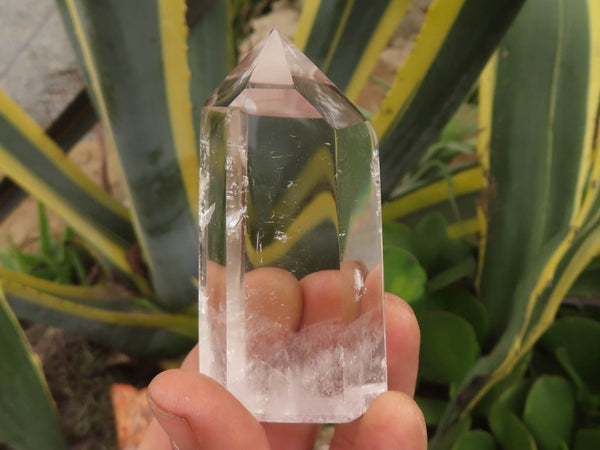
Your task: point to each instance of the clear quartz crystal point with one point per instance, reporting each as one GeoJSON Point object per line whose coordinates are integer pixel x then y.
{"type": "Point", "coordinates": [291, 286]}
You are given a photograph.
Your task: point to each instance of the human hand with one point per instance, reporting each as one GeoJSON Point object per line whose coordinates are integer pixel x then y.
{"type": "Point", "coordinates": [192, 411]}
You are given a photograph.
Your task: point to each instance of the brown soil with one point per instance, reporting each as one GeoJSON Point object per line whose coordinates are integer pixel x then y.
{"type": "Point", "coordinates": [80, 374]}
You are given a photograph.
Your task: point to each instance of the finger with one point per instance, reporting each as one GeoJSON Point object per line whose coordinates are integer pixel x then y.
{"type": "Point", "coordinates": [393, 421]}
{"type": "Point", "coordinates": [373, 290]}
{"type": "Point", "coordinates": [155, 438]}
{"type": "Point", "coordinates": [403, 338]}
{"type": "Point", "coordinates": [321, 292]}
{"type": "Point", "coordinates": [213, 306]}
{"type": "Point", "coordinates": [272, 305]}
{"type": "Point", "coordinates": [344, 294]}
{"type": "Point", "coordinates": [291, 436]}
{"type": "Point", "coordinates": [352, 292]}
{"type": "Point", "coordinates": [273, 310]}
{"type": "Point", "coordinates": [198, 413]}
{"type": "Point", "coordinates": [216, 286]}
{"type": "Point", "coordinates": [272, 295]}
{"type": "Point", "coordinates": [276, 295]}
{"type": "Point", "coordinates": [402, 344]}
{"type": "Point", "coordinates": [280, 435]}
{"type": "Point", "coordinates": [190, 363]}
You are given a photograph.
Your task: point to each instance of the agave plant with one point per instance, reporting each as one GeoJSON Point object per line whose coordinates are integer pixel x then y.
{"type": "Point", "coordinates": [537, 384]}
{"type": "Point", "coordinates": [148, 71]}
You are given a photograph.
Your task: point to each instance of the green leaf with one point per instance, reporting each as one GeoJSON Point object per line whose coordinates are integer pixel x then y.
{"type": "Point", "coordinates": [453, 46]}
{"type": "Point", "coordinates": [397, 235]}
{"type": "Point", "coordinates": [476, 440]}
{"type": "Point", "coordinates": [28, 419]}
{"type": "Point", "coordinates": [454, 433]}
{"type": "Point", "coordinates": [463, 125]}
{"type": "Point", "coordinates": [74, 261]}
{"type": "Point", "coordinates": [535, 289]}
{"type": "Point", "coordinates": [210, 53]}
{"type": "Point", "coordinates": [587, 439]}
{"type": "Point", "coordinates": [461, 302]}
{"type": "Point", "coordinates": [74, 122]}
{"type": "Point", "coordinates": [345, 39]}
{"type": "Point", "coordinates": [403, 274]}
{"type": "Point", "coordinates": [414, 200]}
{"type": "Point", "coordinates": [7, 260]}
{"type": "Point", "coordinates": [432, 246]}
{"type": "Point", "coordinates": [24, 262]}
{"type": "Point", "coordinates": [569, 334]}
{"type": "Point", "coordinates": [412, 207]}
{"type": "Point", "coordinates": [511, 432]}
{"type": "Point", "coordinates": [136, 64]}
{"type": "Point", "coordinates": [548, 115]}
{"type": "Point", "coordinates": [583, 393]}
{"type": "Point", "coordinates": [432, 409]}
{"type": "Point", "coordinates": [587, 285]}
{"type": "Point", "coordinates": [549, 412]}
{"type": "Point", "coordinates": [451, 275]}
{"type": "Point", "coordinates": [484, 406]}
{"type": "Point", "coordinates": [448, 347]}
{"type": "Point", "coordinates": [512, 399]}
{"type": "Point", "coordinates": [45, 239]}
{"type": "Point", "coordinates": [58, 261]}
{"type": "Point", "coordinates": [130, 324]}
{"type": "Point", "coordinates": [40, 167]}
{"type": "Point", "coordinates": [430, 237]}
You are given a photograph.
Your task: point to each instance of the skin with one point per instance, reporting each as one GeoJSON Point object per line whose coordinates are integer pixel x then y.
{"type": "Point", "coordinates": [192, 411]}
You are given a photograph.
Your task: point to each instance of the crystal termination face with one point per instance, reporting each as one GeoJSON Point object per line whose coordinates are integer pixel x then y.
{"type": "Point", "coordinates": [291, 287]}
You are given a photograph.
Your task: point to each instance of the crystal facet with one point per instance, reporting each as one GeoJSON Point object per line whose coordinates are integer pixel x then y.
{"type": "Point", "coordinates": [291, 289]}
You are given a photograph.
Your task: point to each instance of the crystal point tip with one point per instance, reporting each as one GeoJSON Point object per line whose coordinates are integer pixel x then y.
{"type": "Point", "coordinates": [271, 67]}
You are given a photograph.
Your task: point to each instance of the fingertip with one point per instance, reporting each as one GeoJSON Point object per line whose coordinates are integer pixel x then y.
{"type": "Point", "coordinates": [156, 387]}
{"type": "Point", "coordinates": [160, 389]}
{"type": "Point", "coordinates": [403, 339]}
{"type": "Point", "coordinates": [321, 293]}
{"type": "Point", "coordinates": [155, 438]}
{"type": "Point", "coordinates": [171, 417]}
{"type": "Point", "coordinates": [190, 362]}
{"type": "Point", "coordinates": [393, 421]}
{"type": "Point", "coordinates": [181, 397]}
{"type": "Point", "coordinates": [273, 308]}
{"type": "Point", "coordinates": [401, 310]}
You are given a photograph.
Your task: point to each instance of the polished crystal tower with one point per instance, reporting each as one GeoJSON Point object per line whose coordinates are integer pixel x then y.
{"type": "Point", "coordinates": [291, 289]}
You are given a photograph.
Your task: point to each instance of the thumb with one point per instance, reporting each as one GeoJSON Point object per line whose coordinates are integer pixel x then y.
{"type": "Point", "coordinates": [198, 413]}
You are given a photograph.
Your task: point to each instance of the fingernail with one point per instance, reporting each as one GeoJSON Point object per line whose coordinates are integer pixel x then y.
{"type": "Point", "coordinates": [178, 428]}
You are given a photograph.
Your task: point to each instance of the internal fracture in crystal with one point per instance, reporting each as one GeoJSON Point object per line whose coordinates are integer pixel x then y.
{"type": "Point", "coordinates": [291, 290]}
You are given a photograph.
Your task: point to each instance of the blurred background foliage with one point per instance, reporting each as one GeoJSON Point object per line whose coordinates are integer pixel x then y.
{"type": "Point", "coordinates": [490, 163]}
